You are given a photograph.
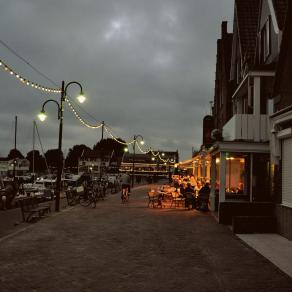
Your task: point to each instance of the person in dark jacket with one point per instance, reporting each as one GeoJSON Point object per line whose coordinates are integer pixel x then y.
{"type": "Point", "coordinates": [203, 197]}
{"type": "Point", "coordinates": [8, 195]}
{"type": "Point", "coordinates": [189, 195]}
{"type": "Point", "coordinates": [205, 189]}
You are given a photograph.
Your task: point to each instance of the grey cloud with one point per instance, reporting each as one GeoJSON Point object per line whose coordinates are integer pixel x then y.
{"type": "Point", "coordinates": [148, 67]}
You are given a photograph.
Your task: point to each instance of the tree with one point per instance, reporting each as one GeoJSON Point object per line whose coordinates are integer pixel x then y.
{"type": "Point", "coordinates": [52, 158]}
{"type": "Point", "coordinates": [39, 161]}
{"type": "Point", "coordinates": [74, 154]}
{"type": "Point", "coordinates": [14, 153]}
{"type": "Point", "coordinates": [106, 147]}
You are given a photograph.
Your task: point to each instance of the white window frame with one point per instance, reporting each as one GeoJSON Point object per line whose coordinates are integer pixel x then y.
{"type": "Point", "coordinates": [265, 40]}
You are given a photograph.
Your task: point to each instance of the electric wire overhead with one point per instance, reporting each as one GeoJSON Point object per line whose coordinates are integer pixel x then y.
{"type": "Point", "coordinates": [37, 86]}
{"type": "Point", "coordinates": [26, 81]}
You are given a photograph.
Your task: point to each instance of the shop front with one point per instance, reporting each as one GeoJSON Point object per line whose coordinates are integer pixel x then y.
{"type": "Point", "coordinates": [202, 167]}
{"type": "Point", "coordinates": [240, 172]}
{"type": "Point", "coordinates": [281, 157]}
{"type": "Point", "coordinates": [185, 167]}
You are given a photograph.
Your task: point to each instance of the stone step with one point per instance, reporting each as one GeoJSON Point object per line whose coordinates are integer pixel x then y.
{"type": "Point", "coordinates": [230, 209]}
{"type": "Point", "coordinates": [254, 224]}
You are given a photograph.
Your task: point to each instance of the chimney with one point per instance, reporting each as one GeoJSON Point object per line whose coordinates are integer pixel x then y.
{"type": "Point", "coordinates": [223, 29]}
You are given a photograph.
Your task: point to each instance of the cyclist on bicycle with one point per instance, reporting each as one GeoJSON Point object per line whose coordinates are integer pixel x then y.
{"type": "Point", "coordinates": [125, 182]}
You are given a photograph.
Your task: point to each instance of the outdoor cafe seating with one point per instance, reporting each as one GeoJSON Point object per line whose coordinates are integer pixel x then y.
{"type": "Point", "coordinates": [169, 197]}
{"type": "Point", "coordinates": [177, 200]}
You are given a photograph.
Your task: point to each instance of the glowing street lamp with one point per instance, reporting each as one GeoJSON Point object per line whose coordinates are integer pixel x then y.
{"type": "Point", "coordinates": [42, 116]}
{"type": "Point", "coordinates": [81, 97]}
{"type": "Point", "coordinates": [134, 153]}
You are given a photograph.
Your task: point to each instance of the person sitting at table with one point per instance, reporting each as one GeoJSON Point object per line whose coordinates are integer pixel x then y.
{"type": "Point", "coordinates": [181, 190]}
{"type": "Point", "coordinates": [176, 184]}
{"type": "Point", "coordinates": [193, 181]}
{"type": "Point", "coordinates": [189, 195]}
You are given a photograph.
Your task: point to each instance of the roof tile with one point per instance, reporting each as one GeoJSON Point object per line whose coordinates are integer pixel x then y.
{"type": "Point", "coordinates": [247, 12]}
{"type": "Point", "coordinates": [281, 7]}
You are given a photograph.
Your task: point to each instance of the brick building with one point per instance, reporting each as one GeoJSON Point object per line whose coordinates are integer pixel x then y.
{"type": "Point", "coordinates": [253, 92]}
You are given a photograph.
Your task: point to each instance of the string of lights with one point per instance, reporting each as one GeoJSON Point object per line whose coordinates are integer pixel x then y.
{"type": "Point", "coordinates": [106, 127]}
{"type": "Point", "coordinates": [82, 112]}
{"type": "Point", "coordinates": [143, 151]}
{"type": "Point", "coordinates": [37, 86]}
{"type": "Point", "coordinates": [26, 81]}
{"type": "Point", "coordinates": [157, 154]}
{"type": "Point", "coordinates": [3, 43]}
{"type": "Point", "coordinates": [79, 117]}
{"type": "Point", "coordinates": [109, 131]}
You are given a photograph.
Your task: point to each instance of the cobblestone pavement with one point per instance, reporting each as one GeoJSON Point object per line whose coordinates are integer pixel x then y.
{"type": "Point", "coordinates": [129, 247]}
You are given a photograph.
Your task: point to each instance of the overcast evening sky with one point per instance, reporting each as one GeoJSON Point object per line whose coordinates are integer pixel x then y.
{"type": "Point", "coordinates": [147, 67]}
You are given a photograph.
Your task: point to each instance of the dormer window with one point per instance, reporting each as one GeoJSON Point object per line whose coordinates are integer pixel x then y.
{"type": "Point", "coordinates": [265, 41]}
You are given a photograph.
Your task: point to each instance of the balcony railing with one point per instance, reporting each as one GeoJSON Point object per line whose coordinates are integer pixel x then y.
{"type": "Point", "coordinates": [247, 127]}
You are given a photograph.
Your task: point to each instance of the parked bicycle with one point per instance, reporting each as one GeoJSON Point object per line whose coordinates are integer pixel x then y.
{"type": "Point", "coordinates": [88, 193]}
{"type": "Point", "coordinates": [73, 195]}
{"type": "Point", "coordinates": [88, 199]}
{"type": "Point", "coordinates": [99, 187]}
{"type": "Point", "coordinates": [83, 195]}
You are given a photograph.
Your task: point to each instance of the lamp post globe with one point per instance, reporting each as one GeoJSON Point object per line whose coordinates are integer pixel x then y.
{"type": "Point", "coordinates": [42, 116]}
{"type": "Point", "coordinates": [134, 153]}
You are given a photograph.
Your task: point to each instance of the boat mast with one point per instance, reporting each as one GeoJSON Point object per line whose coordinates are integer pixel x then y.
{"type": "Point", "coordinates": [14, 159]}
{"type": "Point", "coordinates": [33, 148]}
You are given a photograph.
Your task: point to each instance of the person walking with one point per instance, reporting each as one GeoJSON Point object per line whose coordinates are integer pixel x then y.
{"type": "Point", "coordinates": [126, 183]}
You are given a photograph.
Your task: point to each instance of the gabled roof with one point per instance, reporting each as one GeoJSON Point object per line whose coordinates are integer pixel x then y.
{"type": "Point", "coordinates": [280, 10]}
{"type": "Point", "coordinates": [247, 13]}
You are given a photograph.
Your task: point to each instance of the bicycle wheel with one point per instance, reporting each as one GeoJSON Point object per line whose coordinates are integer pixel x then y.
{"type": "Point", "coordinates": [85, 200]}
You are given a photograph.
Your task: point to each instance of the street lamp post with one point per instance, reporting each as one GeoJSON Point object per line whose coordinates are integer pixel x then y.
{"type": "Point", "coordinates": [134, 153]}
{"type": "Point", "coordinates": [42, 117]}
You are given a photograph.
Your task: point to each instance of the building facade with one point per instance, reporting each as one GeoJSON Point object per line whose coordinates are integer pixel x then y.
{"type": "Point", "coordinates": [148, 165]}
{"type": "Point", "coordinates": [9, 166]}
{"type": "Point", "coordinates": [281, 131]}
{"type": "Point", "coordinates": [249, 158]}
{"type": "Point", "coordinates": [92, 162]}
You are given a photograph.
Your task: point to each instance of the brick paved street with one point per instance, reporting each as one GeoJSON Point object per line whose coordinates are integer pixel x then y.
{"type": "Point", "coordinates": [131, 247]}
